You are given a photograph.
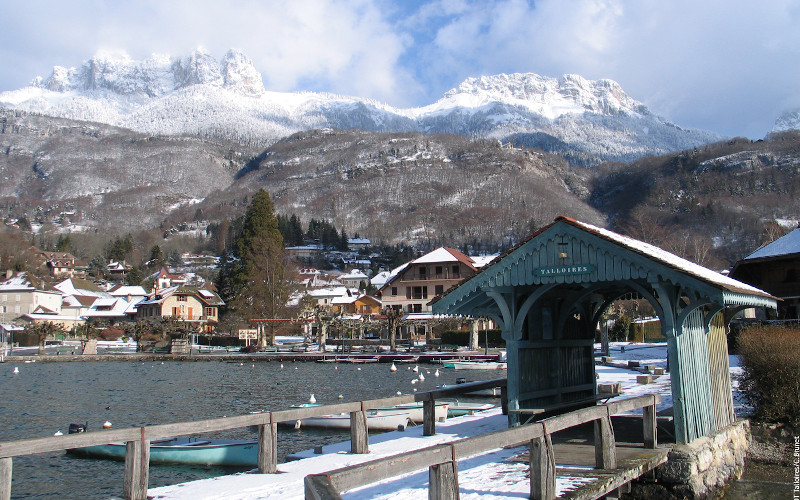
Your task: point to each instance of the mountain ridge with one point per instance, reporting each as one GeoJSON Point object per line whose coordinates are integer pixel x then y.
{"type": "Point", "coordinates": [196, 94]}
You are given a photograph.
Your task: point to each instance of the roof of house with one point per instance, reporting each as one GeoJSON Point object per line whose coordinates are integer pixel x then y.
{"type": "Point", "coordinates": [787, 244]}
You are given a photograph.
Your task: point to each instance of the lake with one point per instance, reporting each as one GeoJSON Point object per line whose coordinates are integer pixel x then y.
{"type": "Point", "coordinates": [46, 397]}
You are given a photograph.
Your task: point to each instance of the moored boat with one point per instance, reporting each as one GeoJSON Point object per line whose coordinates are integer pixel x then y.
{"type": "Point", "coordinates": [376, 421]}
{"type": "Point", "coordinates": [459, 408]}
{"type": "Point", "coordinates": [458, 364]}
{"type": "Point", "coordinates": [184, 450]}
{"type": "Point", "coordinates": [415, 411]}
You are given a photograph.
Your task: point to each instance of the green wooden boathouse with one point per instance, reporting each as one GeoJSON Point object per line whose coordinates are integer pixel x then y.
{"type": "Point", "coordinates": [548, 294]}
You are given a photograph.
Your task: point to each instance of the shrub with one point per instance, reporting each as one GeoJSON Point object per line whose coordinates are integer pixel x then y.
{"type": "Point", "coordinates": [770, 382]}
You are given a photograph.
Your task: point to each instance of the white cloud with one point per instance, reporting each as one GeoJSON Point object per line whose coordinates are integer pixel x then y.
{"type": "Point", "coordinates": [725, 65]}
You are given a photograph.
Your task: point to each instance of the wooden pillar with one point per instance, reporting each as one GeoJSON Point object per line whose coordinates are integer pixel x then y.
{"type": "Point", "coordinates": [137, 469]}
{"type": "Point", "coordinates": [429, 417]}
{"type": "Point", "coordinates": [605, 453]}
{"type": "Point", "coordinates": [543, 468]}
{"type": "Point", "coordinates": [650, 425]}
{"type": "Point", "coordinates": [359, 435]}
{"type": "Point", "coordinates": [268, 447]}
{"type": "Point", "coordinates": [443, 479]}
{"type": "Point", "coordinates": [5, 478]}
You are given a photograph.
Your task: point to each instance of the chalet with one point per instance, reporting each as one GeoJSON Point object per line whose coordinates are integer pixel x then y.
{"type": "Point", "coordinates": [413, 285]}
{"type": "Point", "coordinates": [363, 304]}
{"type": "Point", "coordinates": [356, 244]}
{"type": "Point", "coordinates": [165, 279]}
{"type": "Point", "coordinates": [190, 304]}
{"type": "Point", "coordinates": [775, 268]}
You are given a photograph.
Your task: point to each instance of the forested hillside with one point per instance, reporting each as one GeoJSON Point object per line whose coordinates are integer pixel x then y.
{"type": "Point", "coordinates": [714, 204]}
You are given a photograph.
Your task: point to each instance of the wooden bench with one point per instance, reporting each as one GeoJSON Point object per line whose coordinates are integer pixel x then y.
{"type": "Point", "coordinates": [533, 412]}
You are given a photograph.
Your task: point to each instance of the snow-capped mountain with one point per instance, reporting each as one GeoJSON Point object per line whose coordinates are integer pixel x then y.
{"type": "Point", "coordinates": [197, 94]}
{"type": "Point", "coordinates": [788, 120]}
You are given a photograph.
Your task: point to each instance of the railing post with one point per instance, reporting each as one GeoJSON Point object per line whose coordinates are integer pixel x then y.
{"type": "Point", "coordinates": [543, 467]}
{"type": "Point", "coordinates": [650, 425]}
{"type": "Point", "coordinates": [359, 435]}
{"type": "Point", "coordinates": [429, 417]}
{"type": "Point", "coordinates": [605, 453]}
{"type": "Point", "coordinates": [443, 480]}
{"type": "Point", "coordinates": [5, 478]}
{"type": "Point", "coordinates": [137, 469]}
{"type": "Point", "coordinates": [268, 447]}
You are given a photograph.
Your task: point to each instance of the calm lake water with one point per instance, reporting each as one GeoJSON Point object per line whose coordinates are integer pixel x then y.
{"type": "Point", "coordinates": [45, 397]}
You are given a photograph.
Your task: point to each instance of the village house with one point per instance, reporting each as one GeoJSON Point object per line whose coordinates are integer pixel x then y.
{"type": "Point", "coordinates": [22, 293]}
{"type": "Point", "coordinates": [185, 303]}
{"type": "Point", "coordinates": [775, 268]}
{"type": "Point", "coordinates": [364, 304]}
{"type": "Point", "coordinates": [354, 279]}
{"type": "Point", "coordinates": [63, 264]}
{"type": "Point", "coordinates": [413, 285]}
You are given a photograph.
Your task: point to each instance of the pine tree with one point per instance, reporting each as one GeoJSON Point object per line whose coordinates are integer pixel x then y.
{"type": "Point", "coordinates": [256, 280]}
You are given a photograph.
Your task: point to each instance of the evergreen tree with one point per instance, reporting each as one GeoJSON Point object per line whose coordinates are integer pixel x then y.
{"type": "Point", "coordinates": [156, 260]}
{"type": "Point", "coordinates": [255, 280]}
{"type": "Point", "coordinates": [64, 244]}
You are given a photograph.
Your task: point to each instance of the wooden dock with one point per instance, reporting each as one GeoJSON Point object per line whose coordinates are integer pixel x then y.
{"type": "Point", "coordinates": [609, 464]}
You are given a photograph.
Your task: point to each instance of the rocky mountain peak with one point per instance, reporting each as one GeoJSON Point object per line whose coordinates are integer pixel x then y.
{"type": "Point", "coordinates": [788, 120]}
{"type": "Point", "coordinates": [240, 74]}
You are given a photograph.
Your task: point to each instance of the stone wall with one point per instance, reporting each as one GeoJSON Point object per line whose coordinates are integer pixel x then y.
{"type": "Point", "coordinates": [700, 469]}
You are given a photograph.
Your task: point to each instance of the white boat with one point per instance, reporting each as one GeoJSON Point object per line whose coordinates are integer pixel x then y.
{"type": "Point", "coordinates": [184, 450]}
{"type": "Point", "coordinates": [376, 421]}
{"type": "Point", "coordinates": [459, 408]}
{"type": "Point", "coordinates": [457, 364]}
{"type": "Point", "coordinates": [415, 411]}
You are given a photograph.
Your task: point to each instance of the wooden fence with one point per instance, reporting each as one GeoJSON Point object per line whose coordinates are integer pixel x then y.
{"type": "Point", "coordinates": [137, 439]}
{"type": "Point", "coordinates": [442, 459]}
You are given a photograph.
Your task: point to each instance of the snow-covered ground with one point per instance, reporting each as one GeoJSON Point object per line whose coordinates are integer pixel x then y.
{"type": "Point", "coordinates": [486, 476]}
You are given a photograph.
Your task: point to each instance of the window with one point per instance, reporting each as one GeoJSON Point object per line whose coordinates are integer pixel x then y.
{"type": "Point", "coordinates": [456, 271]}
{"type": "Point", "coordinates": [438, 270]}
{"type": "Point", "coordinates": [394, 290]}
{"type": "Point", "coordinates": [419, 292]}
{"type": "Point", "coordinates": [18, 298]}
{"type": "Point", "coordinates": [439, 289]}
{"type": "Point", "coordinates": [423, 273]}
{"type": "Point", "coordinates": [175, 311]}
{"type": "Point", "coordinates": [5, 297]}
{"type": "Point", "coordinates": [16, 309]}
{"type": "Point", "coordinates": [182, 298]}
{"type": "Point", "coordinates": [210, 311]}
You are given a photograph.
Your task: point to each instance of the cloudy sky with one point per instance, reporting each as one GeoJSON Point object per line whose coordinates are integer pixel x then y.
{"type": "Point", "coordinates": [730, 66]}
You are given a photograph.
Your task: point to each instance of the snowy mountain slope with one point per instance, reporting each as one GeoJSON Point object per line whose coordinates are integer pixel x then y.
{"type": "Point", "coordinates": [788, 120]}
{"type": "Point", "coordinates": [198, 94]}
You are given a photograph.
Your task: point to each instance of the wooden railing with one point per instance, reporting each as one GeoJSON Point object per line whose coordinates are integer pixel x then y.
{"type": "Point", "coordinates": [441, 459]}
{"type": "Point", "coordinates": [138, 439]}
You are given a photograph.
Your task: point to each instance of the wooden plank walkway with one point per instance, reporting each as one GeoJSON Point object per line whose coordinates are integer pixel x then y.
{"type": "Point", "coordinates": [574, 453]}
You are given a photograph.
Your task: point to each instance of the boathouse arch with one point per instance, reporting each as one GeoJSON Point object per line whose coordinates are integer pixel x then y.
{"type": "Point", "coordinates": [549, 292]}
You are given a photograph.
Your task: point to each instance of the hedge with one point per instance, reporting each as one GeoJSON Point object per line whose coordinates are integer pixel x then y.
{"type": "Point", "coordinates": [770, 381]}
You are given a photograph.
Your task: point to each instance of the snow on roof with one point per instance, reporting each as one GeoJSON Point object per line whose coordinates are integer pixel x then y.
{"type": "Point", "coordinates": [206, 293]}
{"type": "Point", "coordinates": [354, 274]}
{"type": "Point", "coordinates": [670, 259]}
{"type": "Point", "coordinates": [123, 290]}
{"type": "Point", "coordinates": [785, 245]}
{"type": "Point", "coordinates": [380, 278]}
{"type": "Point", "coordinates": [482, 260]}
{"type": "Point", "coordinates": [443, 254]}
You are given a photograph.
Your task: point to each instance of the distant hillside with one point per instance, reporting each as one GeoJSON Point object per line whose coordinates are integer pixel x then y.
{"type": "Point", "coordinates": [413, 188]}
{"type": "Point", "coordinates": [716, 203]}
{"type": "Point", "coordinates": [104, 177]}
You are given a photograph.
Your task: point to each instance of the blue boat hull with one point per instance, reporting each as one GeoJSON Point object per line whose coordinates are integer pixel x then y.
{"type": "Point", "coordinates": [224, 453]}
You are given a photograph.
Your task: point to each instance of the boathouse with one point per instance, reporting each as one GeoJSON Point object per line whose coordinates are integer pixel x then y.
{"type": "Point", "coordinates": [549, 292]}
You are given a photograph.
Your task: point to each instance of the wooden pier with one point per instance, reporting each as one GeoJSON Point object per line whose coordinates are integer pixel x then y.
{"type": "Point", "coordinates": [550, 441]}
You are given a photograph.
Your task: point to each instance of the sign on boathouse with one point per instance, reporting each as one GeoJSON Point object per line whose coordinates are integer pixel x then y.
{"type": "Point", "coordinates": [564, 270]}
